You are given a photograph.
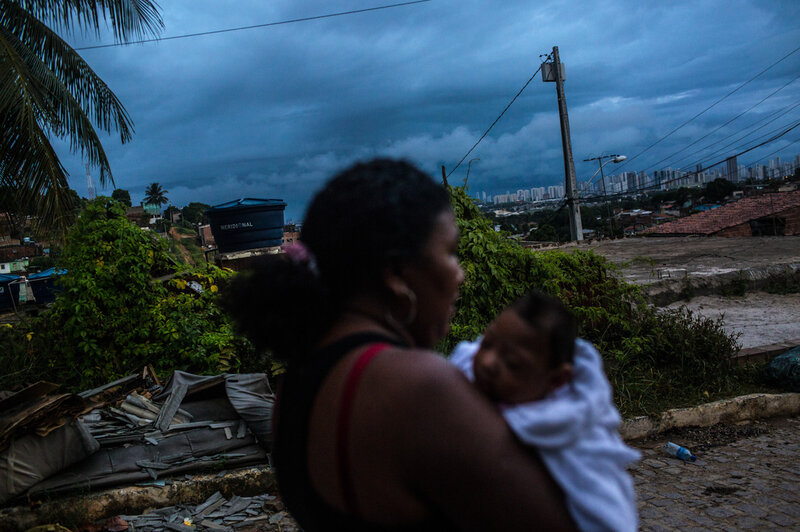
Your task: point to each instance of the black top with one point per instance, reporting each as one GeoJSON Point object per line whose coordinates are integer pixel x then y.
{"type": "Point", "coordinates": [295, 400]}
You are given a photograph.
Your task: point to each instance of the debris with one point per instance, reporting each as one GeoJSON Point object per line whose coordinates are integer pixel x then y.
{"type": "Point", "coordinates": [133, 431]}
{"type": "Point", "coordinates": [679, 452]}
{"type": "Point", "coordinates": [215, 514]}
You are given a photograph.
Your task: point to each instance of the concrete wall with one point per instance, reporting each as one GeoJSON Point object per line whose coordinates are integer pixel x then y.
{"type": "Point", "coordinates": [792, 221]}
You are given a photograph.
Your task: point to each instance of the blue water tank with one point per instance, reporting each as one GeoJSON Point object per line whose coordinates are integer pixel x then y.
{"type": "Point", "coordinates": [247, 223]}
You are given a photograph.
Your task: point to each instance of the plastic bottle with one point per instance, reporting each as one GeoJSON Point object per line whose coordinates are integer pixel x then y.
{"type": "Point", "coordinates": [679, 452]}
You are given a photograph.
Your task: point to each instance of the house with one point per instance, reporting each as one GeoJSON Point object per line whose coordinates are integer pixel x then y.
{"type": "Point", "coordinates": [768, 214]}
{"type": "Point", "coordinates": [206, 236]}
{"type": "Point", "coordinates": [16, 258]}
{"type": "Point", "coordinates": [291, 234]}
{"type": "Point", "coordinates": [143, 215]}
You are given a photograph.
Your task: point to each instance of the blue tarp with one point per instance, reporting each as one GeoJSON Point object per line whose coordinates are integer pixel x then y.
{"type": "Point", "coordinates": [42, 284]}
{"type": "Point", "coordinates": [7, 290]}
{"type": "Point", "coordinates": [47, 273]}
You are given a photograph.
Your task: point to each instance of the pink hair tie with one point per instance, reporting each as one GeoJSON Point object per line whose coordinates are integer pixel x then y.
{"type": "Point", "coordinates": [299, 253]}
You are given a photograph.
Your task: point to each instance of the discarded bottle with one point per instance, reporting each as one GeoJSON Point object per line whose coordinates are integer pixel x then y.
{"type": "Point", "coordinates": [679, 452]}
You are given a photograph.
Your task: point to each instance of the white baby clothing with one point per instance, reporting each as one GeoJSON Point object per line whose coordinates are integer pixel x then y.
{"type": "Point", "coordinates": [574, 430]}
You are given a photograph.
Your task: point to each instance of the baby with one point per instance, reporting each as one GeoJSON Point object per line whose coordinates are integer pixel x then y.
{"type": "Point", "coordinates": [554, 395]}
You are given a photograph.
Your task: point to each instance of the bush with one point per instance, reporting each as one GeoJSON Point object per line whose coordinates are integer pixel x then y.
{"type": "Point", "coordinates": [113, 315]}
{"type": "Point", "coordinates": [652, 357]}
{"type": "Point", "coordinates": [17, 354]}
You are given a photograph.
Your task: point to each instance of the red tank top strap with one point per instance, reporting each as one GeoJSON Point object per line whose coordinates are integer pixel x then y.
{"type": "Point", "coordinates": [343, 425]}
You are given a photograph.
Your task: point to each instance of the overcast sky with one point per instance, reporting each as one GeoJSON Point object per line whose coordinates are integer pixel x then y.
{"type": "Point", "coordinates": [272, 112]}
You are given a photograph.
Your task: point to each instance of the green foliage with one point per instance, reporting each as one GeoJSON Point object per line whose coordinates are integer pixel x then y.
{"type": "Point", "coordinates": [544, 233]}
{"type": "Point", "coordinates": [114, 316]}
{"type": "Point", "coordinates": [650, 355]}
{"type": "Point", "coordinates": [193, 212]}
{"type": "Point", "coordinates": [16, 354]}
{"type": "Point", "coordinates": [122, 196]}
{"type": "Point", "coordinates": [718, 189]}
{"type": "Point", "coordinates": [155, 195]}
{"type": "Point", "coordinates": [47, 91]}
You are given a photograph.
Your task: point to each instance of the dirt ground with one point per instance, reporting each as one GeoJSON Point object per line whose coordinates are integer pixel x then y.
{"type": "Point", "coordinates": [760, 318]}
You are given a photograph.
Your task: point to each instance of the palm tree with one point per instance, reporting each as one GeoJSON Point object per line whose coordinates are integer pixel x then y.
{"type": "Point", "coordinates": [47, 90]}
{"type": "Point", "coordinates": [155, 195]}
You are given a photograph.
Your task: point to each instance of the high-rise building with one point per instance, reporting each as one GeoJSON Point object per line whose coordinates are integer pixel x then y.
{"type": "Point", "coordinates": [732, 170]}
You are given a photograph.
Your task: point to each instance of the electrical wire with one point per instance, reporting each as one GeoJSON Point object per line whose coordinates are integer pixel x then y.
{"type": "Point", "coordinates": [773, 153]}
{"type": "Point", "coordinates": [711, 106]}
{"type": "Point", "coordinates": [499, 117]}
{"type": "Point", "coordinates": [769, 118]}
{"type": "Point", "coordinates": [773, 93]}
{"type": "Point", "coordinates": [767, 134]}
{"type": "Point", "coordinates": [254, 26]}
{"type": "Point", "coordinates": [712, 165]}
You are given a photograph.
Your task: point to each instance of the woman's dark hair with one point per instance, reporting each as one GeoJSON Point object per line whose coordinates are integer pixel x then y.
{"type": "Point", "coordinates": [547, 315]}
{"type": "Point", "coordinates": [370, 216]}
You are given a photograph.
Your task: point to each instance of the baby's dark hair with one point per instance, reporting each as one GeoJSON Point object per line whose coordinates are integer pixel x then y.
{"type": "Point", "coordinates": [373, 215]}
{"type": "Point", "coordinates": [547, 315]}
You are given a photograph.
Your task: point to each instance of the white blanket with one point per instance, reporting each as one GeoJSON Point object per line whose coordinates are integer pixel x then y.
{"type": "Point", "coordinates": [574, 430]}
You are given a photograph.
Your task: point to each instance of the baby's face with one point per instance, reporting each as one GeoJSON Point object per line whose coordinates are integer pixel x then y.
{"type": "Point", "coordinates": [512, 363]}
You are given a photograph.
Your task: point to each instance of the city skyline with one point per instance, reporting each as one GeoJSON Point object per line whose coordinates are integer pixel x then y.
{"type": "Point", "coordinates": [662, 179]}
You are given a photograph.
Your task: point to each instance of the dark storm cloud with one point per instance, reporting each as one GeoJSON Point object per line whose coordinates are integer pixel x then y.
{"type": "Point", "coordinates": [272, 112]}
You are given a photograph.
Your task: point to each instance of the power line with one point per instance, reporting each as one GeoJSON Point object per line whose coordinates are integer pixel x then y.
{"type": "Point", "coordinates": [710, 106]}
{"type": "Point", "coordinates": [498, 118]}
{"type": "Point", "coordinates": [773, 93]}
{"type": "Point", "coordinates": [712, 165]}
{"type": "Point", "coordinates": [769, 118]}
{"type": "Point", "coordinates": [265, 25]}
{"type": "Point", "coordinates": [773, 153]}
{"type": "Point", "coordinates": [768, 133]}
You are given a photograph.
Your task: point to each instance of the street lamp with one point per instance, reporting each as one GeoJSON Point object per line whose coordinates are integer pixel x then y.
{"type": "Point", "coordinates": [615, 158]}
{"type": "Point", "coordinates": [469, 164]}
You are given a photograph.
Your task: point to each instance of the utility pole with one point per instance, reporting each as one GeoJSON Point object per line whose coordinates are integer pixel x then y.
{"type": "Point", "coordinates": [554, 71]}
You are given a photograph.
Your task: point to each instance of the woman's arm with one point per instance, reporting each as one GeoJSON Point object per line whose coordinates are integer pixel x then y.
{"type": "Point", "coordinates": [460, 455]}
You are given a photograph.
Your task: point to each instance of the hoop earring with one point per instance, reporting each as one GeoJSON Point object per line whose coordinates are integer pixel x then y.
{"type": "Point", "coordinates": [412, 311]}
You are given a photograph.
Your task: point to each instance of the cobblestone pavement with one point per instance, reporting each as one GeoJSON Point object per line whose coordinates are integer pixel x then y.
{"type": "Point", "coordinates": [746, 477]}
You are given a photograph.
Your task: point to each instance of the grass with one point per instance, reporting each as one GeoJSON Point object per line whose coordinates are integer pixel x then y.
{"type": "Point", "coordinates": [673, 358]}
{"type": "Point", "coordinates": [194, 250]}
{"type": "Point", "coordinates": [185, 230]}
{"type": "Point", "coordinates": [665, 393]}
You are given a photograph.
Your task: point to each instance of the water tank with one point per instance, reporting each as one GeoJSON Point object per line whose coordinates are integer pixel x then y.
{"type": "Point", "coordinates": [247, 223]}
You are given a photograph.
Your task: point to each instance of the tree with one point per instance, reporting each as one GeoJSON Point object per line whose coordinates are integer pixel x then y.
{"type": "Point", "coordinates": [155, 195]}
{"type": "Point", "coordinates": [113, 315]}
{"type": "Point", "coordinates": [194, 212]}
{"type": "Point", "coordinates": [47, 90]}
{"type": "Point", "coordinates": [122, 196]}
{"type": "Point", "coordinates": [718, 189]}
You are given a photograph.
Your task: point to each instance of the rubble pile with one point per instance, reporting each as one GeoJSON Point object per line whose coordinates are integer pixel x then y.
{"type": "Point", "coordinates": [215, 514]}
{"type": "Point", "coordinates": [130, 431]}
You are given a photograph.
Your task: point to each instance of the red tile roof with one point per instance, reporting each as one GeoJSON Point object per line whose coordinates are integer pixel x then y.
{"type": "Point", "coordinates": [729, 215]}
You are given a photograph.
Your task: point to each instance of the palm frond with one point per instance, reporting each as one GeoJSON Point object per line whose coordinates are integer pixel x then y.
{"type": "Point", "coordinates": [47, 89]}
{"type": "Point", "coordinates": [130, 19]}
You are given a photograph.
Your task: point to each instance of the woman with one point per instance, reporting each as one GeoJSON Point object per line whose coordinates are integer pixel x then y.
{"type": "Point", "coordinates": [374, 431]}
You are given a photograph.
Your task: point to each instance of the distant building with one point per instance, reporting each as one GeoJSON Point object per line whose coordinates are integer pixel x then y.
{"type": "Point", "coordinates": [206, 236]}
{"type": "Point", "coordinates": [291, 234]}
{"type": "Point", "coordinates": [16, 258]}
